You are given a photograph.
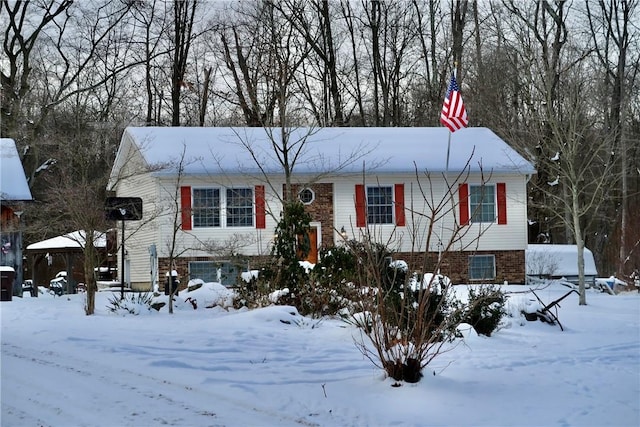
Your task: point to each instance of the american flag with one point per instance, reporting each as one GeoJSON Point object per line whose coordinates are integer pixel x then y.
{"type": "Point", "coordinates": [454, 115]}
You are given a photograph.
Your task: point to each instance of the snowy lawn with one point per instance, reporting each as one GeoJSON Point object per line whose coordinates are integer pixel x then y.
{"type": "Point", "coordinates": [272, 367]}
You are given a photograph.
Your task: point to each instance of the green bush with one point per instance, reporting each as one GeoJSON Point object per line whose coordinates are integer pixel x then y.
{"type": "Point", "coordinates": [132, 303]}
{"type": "Point", "coordinates": [291, 244]}
{"type": "Point", "coordinates": [485, 309]}
{"type": "Point", "coordinates": [336, 265]}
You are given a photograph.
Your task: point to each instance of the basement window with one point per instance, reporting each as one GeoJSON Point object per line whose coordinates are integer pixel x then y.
{"type": "Point", "coordinates": [482, 267]}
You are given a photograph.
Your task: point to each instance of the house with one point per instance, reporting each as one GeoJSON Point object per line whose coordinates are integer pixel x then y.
{"type": "Point", "coordinates": [559, 262]}
{"type": "Point", "coordinates": [221, 190]}
{"type": "Point", "coordinates": [14, 191]}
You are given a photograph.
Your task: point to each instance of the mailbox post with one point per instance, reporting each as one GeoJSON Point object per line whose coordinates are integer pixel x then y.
{"type": "Point", "coordinates": [123, 209]}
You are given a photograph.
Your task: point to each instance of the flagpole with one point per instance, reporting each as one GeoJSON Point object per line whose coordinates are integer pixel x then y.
{"type": "Point", "coordinates": [446, 170]}
{"type": "Point", "coordinates": [446, 181]}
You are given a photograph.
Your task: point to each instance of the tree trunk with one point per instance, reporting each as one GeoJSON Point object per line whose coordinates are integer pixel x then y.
{"type": "Point", "coordinates": [184, 13]}
{"type": "Point", "coordinates": [90, 261]}
{"type": "Point", "coordinates": [458, 17]}
{"type": "Point", "coordinates": [205, 96]}
{"type": "Point", "coordinates": [580, 246]}
{"type": "Point", "coordinates": [347, 14]}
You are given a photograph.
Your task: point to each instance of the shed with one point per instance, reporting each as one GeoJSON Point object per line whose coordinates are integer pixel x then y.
{"type": "Point", "coordinates": [559, 261]}
{"type": "Point", "coordinates": [62, 253]}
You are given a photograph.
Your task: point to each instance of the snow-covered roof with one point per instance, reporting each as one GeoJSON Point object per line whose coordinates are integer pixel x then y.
{"type": "Point", "coordinates": [558, 260]}
{"type": "Point", "coordinates": [73, 240]}
{"type": "Point", "coordinates": [13, 182]}
{"type": "Point", "coordinates": [345, 150]}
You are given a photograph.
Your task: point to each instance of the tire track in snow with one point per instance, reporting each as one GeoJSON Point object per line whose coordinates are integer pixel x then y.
{"type": "Point", "coordinates": [141, 391]}
{"type": "Point", "coordinates": [623, 354]}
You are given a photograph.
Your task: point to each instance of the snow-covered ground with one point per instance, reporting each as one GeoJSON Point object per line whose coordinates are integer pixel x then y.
{"type": "Point", "coordinates": [272, 367]}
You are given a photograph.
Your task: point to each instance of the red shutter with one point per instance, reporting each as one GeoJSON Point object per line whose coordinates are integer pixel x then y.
{"type": "Point", "coordinates": [185, 203]}
{"type": "Point", "coordinates": [501, 189]}
{"type": "Point", "coordinates": [399, 204]}
{"type": "Point", "coordinates": [361, 206]}
{"type": "Point", "coordinates": [261, 217]}
{"type": "Point", "coordinates": [463, 194]}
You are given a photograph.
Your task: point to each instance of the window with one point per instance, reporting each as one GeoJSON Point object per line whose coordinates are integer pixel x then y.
{"type": "Point", "coordinates": [204, 270]}
{"type": "Point", "coordinates": [206, 207]}
{"type": "Point", "coordinates": [482, 267]}
{"type": "Point", "coordinates": [213, 207]}
{"type": "Point", "coordinates": [214, 271]}
{"type": "Point", "coordinates": [482, 203]}
{"type": "Point", "coordinates": [306, 196]}
{"type": "Point", "coordinates": [239, 207]}
{"type": "Point", "coordinates": [380, 205]}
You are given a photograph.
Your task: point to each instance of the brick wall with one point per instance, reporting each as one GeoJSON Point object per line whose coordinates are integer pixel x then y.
{"type": "Point", "coordinates": [321, 209]}
{"type": "Point", "coordinates": [510, 265]}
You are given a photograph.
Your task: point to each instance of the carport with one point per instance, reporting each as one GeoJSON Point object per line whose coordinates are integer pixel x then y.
{"type": "Point", "coordinates": [63, 253]}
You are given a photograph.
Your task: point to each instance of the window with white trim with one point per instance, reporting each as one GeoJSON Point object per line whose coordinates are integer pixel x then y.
{"type": "Point", "coordinates": [306, 196]}
{"type": "Point", "coordinates": [380, 205]}
{"type": "Point", "coordinates": [482, 267]}
{"type": "Point", "coordinates": [482, 203]}
{"type": "Point", "coordinates": [239, 207]}
{"type": "Point", "coordinates": [212, 207]}
{"type": "Point", "coordinates": [206, 207]}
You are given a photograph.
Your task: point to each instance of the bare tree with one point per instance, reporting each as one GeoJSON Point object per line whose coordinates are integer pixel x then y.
{"type": "Point", "coordinates": [82, 178]}
{"type": "Point", "coordinates": [313, 21]}
{"type": "Point", "coordinates": [613, 36]}
{"type": "Point", "coordinates": [153, 19]}
{"type": "Point", "coordinates": [70, 51]}
{"type": "Point", "coordinates": [19, 41]}
{"type": "Point", "coordinates": [458, 21]}
{"type": "Point", "coordinates": [247, 54]}
{"type": "Point", "coordinates": [356, 88]}
{"type": "Point", "coordinates": [582, 166]}
{"type": "Point", "coordinates": [184, 12]}
{"type": "Point", "coordinates": [427, 100]}
{"type": "Point", "coordinates": [390, 37]}
{"type": "Point", "coordinates": [175, 214]}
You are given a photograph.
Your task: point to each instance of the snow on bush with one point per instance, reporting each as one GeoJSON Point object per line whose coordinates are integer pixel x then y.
{"type": "Point", "coordinates": [399, 265]}
{"type": "Point", "coordinates": [248, 276]}
{"type": "Point", "coordinates": [275, 296]}
{"type": "Point", "coordinates": [209, 294]}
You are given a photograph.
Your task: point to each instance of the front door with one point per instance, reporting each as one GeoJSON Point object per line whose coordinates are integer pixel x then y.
{"type": "Point", "coordinates": [313, 245]}
{"type": "Point", "coordinates": [312, 257]}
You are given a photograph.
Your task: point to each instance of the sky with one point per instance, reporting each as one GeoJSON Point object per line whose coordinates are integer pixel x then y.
{"type": "Point", "coordinates": [272, 367]}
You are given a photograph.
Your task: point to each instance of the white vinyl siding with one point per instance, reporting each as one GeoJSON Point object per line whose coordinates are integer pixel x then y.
{"type": "Point", "coordinates": [139, 238]}
{"type": "Point", "coordinates": [413, 237]}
